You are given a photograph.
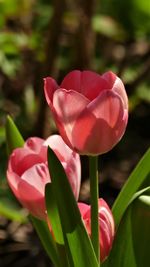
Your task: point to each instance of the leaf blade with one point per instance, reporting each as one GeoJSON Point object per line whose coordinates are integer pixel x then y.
{"type": "Point", "coordinates": [55, 223]}
{"type": "Point", "coordinates": [13, 137]}
{"type": "Point", "coordinates": [53, 215]}
{"type": "Point", "coordinates": [127, 249]}
{"type": "Point", "coordinates": [76, 238]}
{"type": "Point", "coordinates": [134, 182]}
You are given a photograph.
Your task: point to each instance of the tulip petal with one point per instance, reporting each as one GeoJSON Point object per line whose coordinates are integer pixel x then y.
{"type": "Point", "coordinates": [37, 176]}
{"type": "Point", "coordinates": [117, 86]}
{"type": "Point", "coordinates": [120, 89]}
{"type": "Point", "coordinates": [100, 126]}
{"type": "Point", "coordinates": [83, 208]}
{"type": "Point", "coordinates": [73, 172]}
{"type": "Point", "coordinates": [108, 107]}
{"type": "Point", "coordinates": [88, 83]}
{"type": "Point", "coordinates": [92, 84]}
{"type": "Point", "coordinates": [110, 77]}
{"type": "Point", "coordinates": [29, 189]}
{"type": "Point", "coordinates": [57, 144]}
{"type": "Point", "coordinates": [13, 181]}
{"type": "Point", "coordinates": [32, 199]}
{"type": "Point", "coordinates": [17, 155]}
{"type": "Point", "coordinates": [26, 163]}
{"type": "Point", "coordinates": [68, 105]}
{"type": "Point", "coordinates": [32, 187]}
{"type": "Point", "coordinates": [34, 144]}
{"type": "Point", "coordinates": [50, 86]}
{"type": "Point", "coordinates": [69, 159]}
{"type": "Point", "coordinates": [105, 212]}
{"type": "Point", "coordinates": [20, 161]}
{"type": "Point", "coordinates": [72, 81]}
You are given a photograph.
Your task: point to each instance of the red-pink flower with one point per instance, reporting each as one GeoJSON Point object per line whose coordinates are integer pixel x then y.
{"type": "Point", "coordinates": [107, 228]}
{"type": "Point", "coordinates": [28, 173]}
{"type": "Point", "coordinates": [91, 111]}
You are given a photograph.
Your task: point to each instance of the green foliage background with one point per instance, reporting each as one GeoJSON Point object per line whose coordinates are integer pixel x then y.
{"type": "Point", "coordinates": [41, 38]}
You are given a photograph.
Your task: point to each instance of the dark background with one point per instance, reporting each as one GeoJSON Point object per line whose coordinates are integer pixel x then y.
{"type": "Point", "coordinates": [50, 38]}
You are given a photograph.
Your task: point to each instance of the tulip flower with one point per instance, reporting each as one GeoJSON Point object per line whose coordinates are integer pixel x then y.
{"type": "Point", "coordinates": [90, 111]}
{"type": "Point", "coordinates": [106, 222]}
{"type": "Point", "coordinates": [28, 173]}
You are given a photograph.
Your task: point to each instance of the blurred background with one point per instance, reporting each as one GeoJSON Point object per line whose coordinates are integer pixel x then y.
{"type": "Point", "coordinates": [40, 38]}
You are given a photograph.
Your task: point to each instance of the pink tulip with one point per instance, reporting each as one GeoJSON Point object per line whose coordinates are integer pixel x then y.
{"type": "Point", "coordinates": [91, 111]}
{"type": "Point", "coordinates": [28, 173]}
{"type": "Point", "coordinates": [107, 228]}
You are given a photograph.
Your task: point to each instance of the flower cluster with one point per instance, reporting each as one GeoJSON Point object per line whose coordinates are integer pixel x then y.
{"type": "Point", "coordinates": [91, 113]}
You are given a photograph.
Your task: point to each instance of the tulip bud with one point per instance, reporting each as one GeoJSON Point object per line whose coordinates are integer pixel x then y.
{"type": "Point", "coordinates": [106, 222]}
{"type": "Point", "coordinates": [28, 172]}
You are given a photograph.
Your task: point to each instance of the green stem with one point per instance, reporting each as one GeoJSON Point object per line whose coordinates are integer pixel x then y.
{"type": "Point", "coordinates": [93, 168]}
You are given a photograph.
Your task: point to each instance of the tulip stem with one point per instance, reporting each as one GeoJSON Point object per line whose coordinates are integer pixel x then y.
{"type": "Point", "coordinates": [93, 171]}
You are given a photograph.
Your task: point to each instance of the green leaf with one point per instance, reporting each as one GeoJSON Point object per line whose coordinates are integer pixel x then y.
{"type": "Point", "coordinates": [131, 244]}
{"type": "Point", "coordinates": [55, 223]}
{"type": "Point", "coordinates": [53, 214]}
{"type": "Point", "coordinates": [141, 230]}
{"type": "Point", "coordinates": [133, 184]}
{"type": "Point", "coordinates": [13, 136]}
{"type": "Point", "coordinates": [77, 242]}
{"type": "Point", "coordinates": [122, 251]}
{"type": "Point", "coordinates": [46, 239]}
